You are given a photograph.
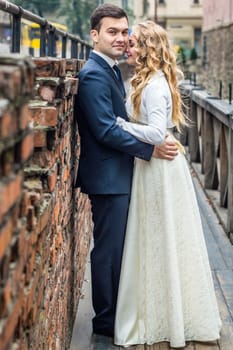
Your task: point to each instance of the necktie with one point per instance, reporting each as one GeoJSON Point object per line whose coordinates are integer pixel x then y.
{"type": "Point", "coordinates": [119, 77]}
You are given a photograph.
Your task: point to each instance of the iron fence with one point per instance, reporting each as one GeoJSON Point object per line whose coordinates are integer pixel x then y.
{"type": "Point", "coordinates": [49, 34]}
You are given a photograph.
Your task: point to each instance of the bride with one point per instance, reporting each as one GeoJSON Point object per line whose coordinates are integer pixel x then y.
{"type": "Point", "coordinates": [166, 291]}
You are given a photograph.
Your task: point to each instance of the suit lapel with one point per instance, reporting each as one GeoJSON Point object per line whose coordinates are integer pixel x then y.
{"type": "Point", "coordinates": [107, 67]}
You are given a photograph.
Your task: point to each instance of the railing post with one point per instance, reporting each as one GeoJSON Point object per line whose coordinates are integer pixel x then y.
{"type": "Point", "coordinates": [223, 166]}
{"type": "Point", "coordinates": [43, 41]}
{"type": "Point", "coordinates": [202, 128]}
{"type": "Point", "coordinates": [230, 179]}
{"type": "Point", "coordinates": [51, 43]}
{"type": "Point", "coordinates": [230, 93]}
{"type": "Point", "coordinates": [210, 165]}
{"type": "Point", "coordinates": [74, 49]}
{"type": "Point", "coordinates": [81, 56]}
{"type": "Point", "coordinates": [16, 24]}
{"type": "Point", "coordinates": [220, 89]}
{"type": "Point", "coordinates": [194, 79]}
{"type": "Point", "coordinates": [87, 52]}
{"type": "Point", "coordinates": [193, 137]}
{"type": "Point", "coordinates": [64, 44]}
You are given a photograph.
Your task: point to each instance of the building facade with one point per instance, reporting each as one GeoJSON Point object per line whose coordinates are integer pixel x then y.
{"type": "Point", "coordinates": [181, 18]}
{"type": "Point", "coordinates": [217, 46]}
{"type": "Point", "coordinates": [183, 21]}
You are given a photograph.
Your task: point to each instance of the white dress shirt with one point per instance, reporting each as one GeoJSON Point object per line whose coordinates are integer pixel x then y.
{"type": "Point", "coordinates": [109, 60]}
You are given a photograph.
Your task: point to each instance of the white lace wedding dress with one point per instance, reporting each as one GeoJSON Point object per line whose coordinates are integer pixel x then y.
{"type": "Point", "coordinates": [166, 291]}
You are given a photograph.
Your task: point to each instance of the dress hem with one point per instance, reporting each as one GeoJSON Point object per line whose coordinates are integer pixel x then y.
{"type": "Point", "coordinates": [167, 341]}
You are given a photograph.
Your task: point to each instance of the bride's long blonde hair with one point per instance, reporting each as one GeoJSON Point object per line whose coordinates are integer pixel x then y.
{"type": "Point", "coordinates": [154, 52]}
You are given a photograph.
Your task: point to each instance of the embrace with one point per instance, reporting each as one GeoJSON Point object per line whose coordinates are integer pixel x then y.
{"type": "Point", "coordinates": [151, 279]}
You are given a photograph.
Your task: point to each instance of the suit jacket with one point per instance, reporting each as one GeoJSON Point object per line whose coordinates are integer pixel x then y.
{"type": "Point", "coordinates": [107, 151]}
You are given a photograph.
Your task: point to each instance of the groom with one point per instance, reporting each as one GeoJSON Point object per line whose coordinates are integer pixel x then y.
{"type": "Point", "coordinates": [107, 155]}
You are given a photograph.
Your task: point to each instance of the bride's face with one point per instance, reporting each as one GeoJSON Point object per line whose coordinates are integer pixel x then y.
{"type": "Point", "coordinates": [131, 52]}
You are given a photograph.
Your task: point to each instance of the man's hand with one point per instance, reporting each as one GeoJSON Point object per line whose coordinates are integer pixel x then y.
{"type": "Point", "coordinates": [168, 150]}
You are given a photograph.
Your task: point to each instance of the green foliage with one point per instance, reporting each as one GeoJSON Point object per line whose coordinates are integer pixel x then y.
{"type": "Point", "coordinates": [78, 14]}
{"type": "Point", "coordinates": [38, 6]}
{"type": "Point", "coordinates": [130, 15]}
{"type": "Point", "coordinates": [193, 54]}
{"type": "Point", "coordinates": [181, 56]}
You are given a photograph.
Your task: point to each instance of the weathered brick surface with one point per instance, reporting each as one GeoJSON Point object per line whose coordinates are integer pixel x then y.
{"type": "Point", "coordinates": [45, 224]}
{"type": "Point", "coordinates": [219, 60]}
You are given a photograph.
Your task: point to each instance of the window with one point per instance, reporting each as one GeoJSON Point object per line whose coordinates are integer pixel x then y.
{"type": "Point", "coordinates": [125, 4]}
{"type": "Point", "coordinates": [145, 7]}
{"type": "Point", "coordinates": [197, 40]}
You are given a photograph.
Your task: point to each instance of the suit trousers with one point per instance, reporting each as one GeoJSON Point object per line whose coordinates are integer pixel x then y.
{"type": "Point", "coordinates": [109, 214]}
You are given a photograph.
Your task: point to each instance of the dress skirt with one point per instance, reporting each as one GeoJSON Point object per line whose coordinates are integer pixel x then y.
{"type": "Point", "coordinates": [166, 291]}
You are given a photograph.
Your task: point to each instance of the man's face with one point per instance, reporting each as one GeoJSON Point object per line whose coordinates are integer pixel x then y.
{"type": "Point", "coordinates": [112, 37]}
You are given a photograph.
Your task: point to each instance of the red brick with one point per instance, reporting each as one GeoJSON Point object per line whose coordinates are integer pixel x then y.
{"type": "Point", "coordinates": [24, 204]}
{"type": "Point", "coordinates": [30, 293]}
{"type": "Point", "coordinates": [49, 67]}
{"type": "Point", "coordinates": [52, 178]}
{"type": "Point", "coordinates": [36, 267]}
{"type": "Point", "coordinates": [8, 159]}
{"type": "Point", "coordinates": [59, 238]}
{"type": "Point", "coordinates": [24, 117]}
{"type": "Point", "coordinates": [40, 138]}
{"type": "Point", "coordinates": [7, 293]}
{"type": "Point", "coordinates": [56, 212]}
{"type": "Point", "coordinates": [44, 116]}
{"type": "Point", "coordinates": [66, 174]}
{"type": "Point", "coordinates": [18, 277]}
{"type": "Point", "coordinates": [10, 81]}
{"type": "Point", "coordinates": [26, 146]}
{"type": "Point", "coordinates": [12, 320]}
{"type": "Point", "coordinates": [8, 124]}
{"type": "Point", "coordinates": [23, 241]}
{"type": "Point", "coordinates": [5, 237]}
{"type": "Point", "coordinates": [9, 193]}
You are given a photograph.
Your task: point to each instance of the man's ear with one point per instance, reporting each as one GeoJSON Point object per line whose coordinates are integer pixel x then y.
{"type": "Point", "coordinates": [94, 35]}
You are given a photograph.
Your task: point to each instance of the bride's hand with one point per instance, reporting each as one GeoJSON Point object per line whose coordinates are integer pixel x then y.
{"type": "Point", "coordinates": [168, 150]}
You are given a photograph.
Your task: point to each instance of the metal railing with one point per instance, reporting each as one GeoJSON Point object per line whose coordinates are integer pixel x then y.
{"type": "Point", "coordinates": [192, 77]}
{"type": "Point", "coordinates": [48, 34]}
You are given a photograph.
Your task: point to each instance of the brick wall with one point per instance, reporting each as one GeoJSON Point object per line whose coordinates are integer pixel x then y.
{"type": "Point", "coordinates": [219, 60]}
{"type": "Point", "coordinates": [45, 224]}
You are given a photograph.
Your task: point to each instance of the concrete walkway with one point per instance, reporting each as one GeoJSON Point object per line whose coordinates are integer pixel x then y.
{"type": "Point", "coordinates": [220, 253]}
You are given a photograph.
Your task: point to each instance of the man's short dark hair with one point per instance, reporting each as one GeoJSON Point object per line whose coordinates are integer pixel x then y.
{"type": "Point", "coordinates": [106, 10]}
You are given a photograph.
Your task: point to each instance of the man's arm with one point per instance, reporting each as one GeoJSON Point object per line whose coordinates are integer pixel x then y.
{"type": "Point", "coordinates": [94, 103]}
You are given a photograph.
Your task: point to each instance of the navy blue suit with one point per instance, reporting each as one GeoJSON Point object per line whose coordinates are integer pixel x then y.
{"type": "Point", "coordinates": [105, 174]}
